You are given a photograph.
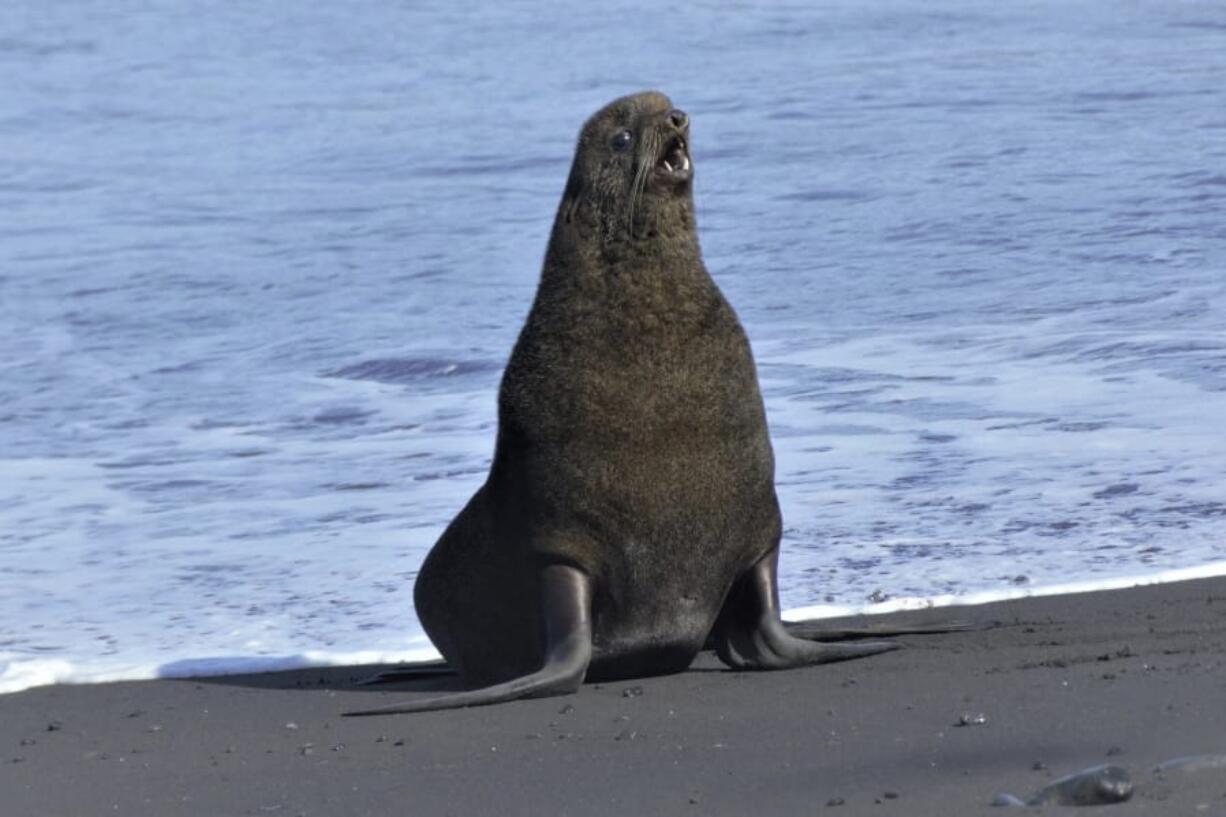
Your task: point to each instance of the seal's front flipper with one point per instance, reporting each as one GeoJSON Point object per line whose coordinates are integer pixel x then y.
{"type": "Point", "coordinates": [750, 635]}
{"type": "Point", "coordinates": [813, 630]}
{"type": "Point", "coordinates": [566, 605]}
{"type": "Point", "coordinates": [410, 672]}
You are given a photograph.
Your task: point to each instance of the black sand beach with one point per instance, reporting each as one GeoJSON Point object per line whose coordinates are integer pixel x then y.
{"type": "Point", "coordinates": [1132, 677]}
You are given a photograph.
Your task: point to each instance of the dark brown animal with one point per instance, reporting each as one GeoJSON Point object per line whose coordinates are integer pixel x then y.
{"type": "Point", "coordinates": [630, 512]}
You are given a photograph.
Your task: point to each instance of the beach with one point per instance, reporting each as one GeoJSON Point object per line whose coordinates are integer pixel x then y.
{"type": "Point", "coordinates": [1046, 687]}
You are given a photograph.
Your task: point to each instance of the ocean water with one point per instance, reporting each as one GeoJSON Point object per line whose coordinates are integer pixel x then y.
{"type": "Point", "coordinates": [261, 265]}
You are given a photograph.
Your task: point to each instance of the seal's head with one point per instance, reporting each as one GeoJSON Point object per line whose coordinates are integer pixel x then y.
{"type": "Point", "coordinates": [632, 171]}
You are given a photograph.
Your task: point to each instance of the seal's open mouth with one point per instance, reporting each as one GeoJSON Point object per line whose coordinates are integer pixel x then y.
{"type": "Point", "coordinates": [675, 163]}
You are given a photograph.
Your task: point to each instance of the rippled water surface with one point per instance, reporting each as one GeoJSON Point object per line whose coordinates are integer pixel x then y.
{"type": "Point", "coordinates": [260, 269]}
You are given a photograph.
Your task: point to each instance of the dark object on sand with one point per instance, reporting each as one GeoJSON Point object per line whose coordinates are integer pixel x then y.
{"type": "Point", "coordinates": [1096, 786]}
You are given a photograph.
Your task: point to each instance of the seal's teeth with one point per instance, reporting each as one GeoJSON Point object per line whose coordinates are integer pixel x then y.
{"type": "Point", "coordinates": [685, 162]}
{"type": "Point", "coordinates": [668, 166]}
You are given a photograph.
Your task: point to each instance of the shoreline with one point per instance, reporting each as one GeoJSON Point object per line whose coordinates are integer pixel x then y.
{"type": "Point", "coordinates": [51, 671]}
{"type": "Point", "coordinates": [1133, 677]}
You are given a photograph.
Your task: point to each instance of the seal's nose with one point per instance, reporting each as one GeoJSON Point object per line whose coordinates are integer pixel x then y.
{"type": "Point", "coordinates": [679, 119]}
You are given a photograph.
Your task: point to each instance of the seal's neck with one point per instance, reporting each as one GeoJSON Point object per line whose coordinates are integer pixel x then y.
{"type": "Point", "coordinates": [624, 287]}
{"type": "Point", "coordinates": [661, 229]}
{"type": "Point", "coordinates": [664, 257]}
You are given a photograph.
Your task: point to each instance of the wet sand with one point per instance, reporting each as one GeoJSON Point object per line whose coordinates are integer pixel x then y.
{"type": "Point", "coordinates": [1129, 677]}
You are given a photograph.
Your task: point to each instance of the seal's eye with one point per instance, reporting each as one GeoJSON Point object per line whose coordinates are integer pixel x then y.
{"type": "Point", "coordinates": [622, 139]}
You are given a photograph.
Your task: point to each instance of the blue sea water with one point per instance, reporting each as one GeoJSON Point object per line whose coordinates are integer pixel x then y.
{"type": "Point", "coordinates": [261, 265]}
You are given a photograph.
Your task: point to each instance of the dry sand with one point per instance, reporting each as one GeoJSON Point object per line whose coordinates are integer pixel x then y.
{"type": "Point", "coordinates": [1131, 677]}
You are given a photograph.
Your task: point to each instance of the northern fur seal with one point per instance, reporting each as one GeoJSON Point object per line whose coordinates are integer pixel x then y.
{"type": "Point", "coordinates": [630, 513]}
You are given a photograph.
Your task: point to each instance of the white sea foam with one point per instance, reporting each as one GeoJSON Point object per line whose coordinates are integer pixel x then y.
{"type": "Point", "coordinates": [820, 611]}
{"type": "Point", "coordinates": [17, 673]}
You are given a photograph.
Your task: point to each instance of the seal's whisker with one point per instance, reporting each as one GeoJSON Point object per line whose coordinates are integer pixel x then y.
{"type": "Point", "coordinates": [646, 163]}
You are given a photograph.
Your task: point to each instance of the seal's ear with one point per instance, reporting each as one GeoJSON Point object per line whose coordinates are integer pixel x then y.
{"type": "Point", "coordinates": [570, 198]}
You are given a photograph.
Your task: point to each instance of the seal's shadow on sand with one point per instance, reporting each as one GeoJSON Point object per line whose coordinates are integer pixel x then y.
{"type": "Point", "coordinates": [356, 678]}
{"type": "Point", "coordinates": [344, 678]}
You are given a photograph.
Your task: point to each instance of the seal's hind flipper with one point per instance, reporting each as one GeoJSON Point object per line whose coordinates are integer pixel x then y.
{"type": "Point", "coordinates": [750, 635]}
{"type": "Point", "coordinates": [549, 680]}
{"type": "Point", "coordinates": [566, 607]}
{"type": "Point", "coordinates": [813, 630]}
{"type": "Point", "coordinates": [410, 672]}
